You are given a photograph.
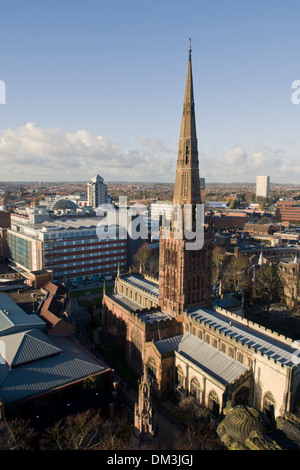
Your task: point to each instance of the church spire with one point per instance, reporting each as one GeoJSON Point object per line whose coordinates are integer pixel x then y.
{"type": "Point", "coordinates": [187, 183]}
{"type": "Point", "coordinates": [185, 274]}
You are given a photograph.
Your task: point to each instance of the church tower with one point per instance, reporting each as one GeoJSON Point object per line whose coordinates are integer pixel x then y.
{"type": "Point", "coordinates": [185, 274]}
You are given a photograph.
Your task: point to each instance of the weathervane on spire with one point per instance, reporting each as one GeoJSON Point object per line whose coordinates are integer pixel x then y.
{"type": "Point", "coordinates": [190, 48]}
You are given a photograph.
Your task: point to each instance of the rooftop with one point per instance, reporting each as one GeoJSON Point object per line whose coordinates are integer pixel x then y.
{"type": "Point", "coordinates": [13, 319]}
{"type": "Point", "coordinates": [138, 281]}
{"type": "Point", "coordinates": [217, 364]}
{"type": "Point", "coordinates": [32, 364]}
{"type": "Point", "coordinates": [147, 316]}
{"type": "Point", "coordinates": [273, 348]}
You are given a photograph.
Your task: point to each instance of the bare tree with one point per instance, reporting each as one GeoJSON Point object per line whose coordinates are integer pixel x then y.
{"type": "Point", "coordinates": [141, 258]}
{"type": "Point", "coordinates": [218, 267]}
{"type": "Point", "coordinates": [268, 287]}
{"type": "Point", "coordinates": [17, 434]}
{"type": "Point", "coordinates": [76, 432]}
{"type": "Point", "coordinates": [237, 276]}
{"type": "Point", "coordinates": [87, 431]}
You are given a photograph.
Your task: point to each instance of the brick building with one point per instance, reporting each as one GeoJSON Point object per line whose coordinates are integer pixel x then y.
{"type": "Point", "coordinates": [288, 210]}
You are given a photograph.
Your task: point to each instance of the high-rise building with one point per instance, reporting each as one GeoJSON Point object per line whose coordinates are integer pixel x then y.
{"type": "Point", "coordinates": [262, 186]}
{"type": "Point", "coordinates": [97, 192]}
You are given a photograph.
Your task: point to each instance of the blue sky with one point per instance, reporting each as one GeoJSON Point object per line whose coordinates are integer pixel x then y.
{"type": "Point", "coordinates": [97, 87]}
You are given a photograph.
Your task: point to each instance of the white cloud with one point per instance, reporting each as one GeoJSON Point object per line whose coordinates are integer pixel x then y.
{"type": "Point", "coordinates": [235, 157]}
{"type": "Point", "coordinates": [238, 165]}
{"type": "Point", "coordinates": [30, 153]}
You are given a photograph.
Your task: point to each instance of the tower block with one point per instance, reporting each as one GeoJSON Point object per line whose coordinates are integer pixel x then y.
{"type": "Point", "coordinates": [185, 274]}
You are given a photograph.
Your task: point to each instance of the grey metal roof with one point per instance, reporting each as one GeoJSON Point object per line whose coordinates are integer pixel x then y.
{"type": "Point", "coordinates": [26, 346]}
{"type": "Point", "coordinates": [29, 380]}
{"type": "Point", "coordinates": [272, 347]}
{"type": "Point", "coordinates": [125, 302]}
{"type": "Point", "coordinates": [218, 365]}
{"type": "Point", "coordinates": [13, 319]}
{"type": "Point", "coordinates": [138, 281]}
{"type": "Point", "coordinates": [35, 364]}
{"type": "Point", "coordinates": [150, 316]}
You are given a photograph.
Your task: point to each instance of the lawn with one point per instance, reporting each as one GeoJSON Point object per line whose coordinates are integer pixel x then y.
{"type": "Point", "coordinates": [93, 290]}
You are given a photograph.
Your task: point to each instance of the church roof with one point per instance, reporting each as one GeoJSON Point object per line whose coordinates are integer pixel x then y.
{"type": "Point", "coordinates": [138, 281]}
{"type": "Point", "coordinates": [258, 340]}
{"type": "Point", "coordinates": [209, 359]}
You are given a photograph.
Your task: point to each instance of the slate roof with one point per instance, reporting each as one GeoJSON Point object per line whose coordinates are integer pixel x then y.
{"type": "Point", "coordinates": [209, 359]}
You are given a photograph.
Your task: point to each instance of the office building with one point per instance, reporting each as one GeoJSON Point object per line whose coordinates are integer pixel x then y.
{"type": "Point", "coordinates": [72, 248]}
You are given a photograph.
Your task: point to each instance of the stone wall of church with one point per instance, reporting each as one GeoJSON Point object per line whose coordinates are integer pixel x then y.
{"type": "Point", "coordinates": [136, 294]}
{"type": "Point", "coordinates": [268, 373]}
{"type": "Point", "coordinates": [132, 332]}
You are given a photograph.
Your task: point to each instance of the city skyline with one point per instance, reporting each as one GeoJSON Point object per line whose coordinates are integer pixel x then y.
{"type": "Point", "coordinates": [97, 88]}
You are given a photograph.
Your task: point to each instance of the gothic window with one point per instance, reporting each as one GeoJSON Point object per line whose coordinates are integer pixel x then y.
{"type": "Point", "coordinates": [179, 377]}
{"type": "Point", "coordinates": [152, 367]}
{"type": "Point", "coordinates": [231, 352]}
{"type": "Point", "coordinates": [268, 400]}
{"type": "Point", "coordinates": [213, 403]}
{"type": "Point", "coordinates": [195, 388]}
{"type": "Point", "coordinates": [240, 357]}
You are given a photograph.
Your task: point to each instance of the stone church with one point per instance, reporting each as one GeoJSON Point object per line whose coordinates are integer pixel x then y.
{"type": "Point", "coordinates": [190, 348]}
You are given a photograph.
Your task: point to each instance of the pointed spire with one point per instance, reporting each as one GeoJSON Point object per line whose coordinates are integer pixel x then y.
{"type": "Point", "coordinates": [118, 271]}
{"type": "Point", "coordinates": [187, 183]}
{"type": "Point", "coordinates": [188, 124]}
{"type": "Point", "coordinates": [104, 289]}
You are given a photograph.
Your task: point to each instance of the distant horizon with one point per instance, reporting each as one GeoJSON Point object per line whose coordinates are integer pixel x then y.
{"type": "Point", "coordinates": [142, 182]}
{"type": "Point", "coordinates": [99, 86]}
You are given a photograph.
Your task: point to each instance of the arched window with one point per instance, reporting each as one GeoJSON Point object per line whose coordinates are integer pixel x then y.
{"type": "Point", "coordinates": [179, 377]}
{"type": "Point", "coordinates": [152, 367]}
{"type": "Point", "coordinates": [195, 388]}
{"type": "Point", "coordinates": [268, 401]}
{"type": "Point", "coordinates": [213, 403]}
